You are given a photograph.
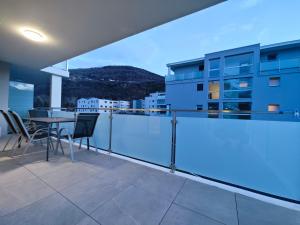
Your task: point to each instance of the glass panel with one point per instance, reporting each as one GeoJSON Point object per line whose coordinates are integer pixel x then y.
{"type": "Point", "coordinates": [239, 64]}
{"type": "Point", "coordinates": [214, 90]}
{"type": "Point", "coordinates": [213, 106]}
{"type": "Point", "coordinates": [237, 116]}
{"type": "Point", "coordinates": [242, 70]}
{"type": "Point", "coordinates": [239, 60]}
{"type": "Point", "coordinates": [290, 63]}
{"type": "Point", "coordinates": [273, 108]}
{"type": "Point", "coordinates": [274, 81]}
{"type": "Point", "coordinates": [238, 84]}
{"type": "Point", "coordinates": [143, 137]}
{"type": "Point", "coordinates": [214, 68]}
{"type": "Point", "coordinates": [237, 106]}
{"type": "Point", "coordinates": [248, 153]}
{"type": "Point", "coordinates": [272, 65]}
{"type": "Point", "coordinates": [237, 94]}
{"type": "Point", "coordinates": [185, 76]}
{"type": "Point", "coordinates": [21, 97]}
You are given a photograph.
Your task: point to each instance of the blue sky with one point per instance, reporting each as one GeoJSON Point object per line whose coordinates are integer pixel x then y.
{"type": "Point", "coordinates": [228, 25]}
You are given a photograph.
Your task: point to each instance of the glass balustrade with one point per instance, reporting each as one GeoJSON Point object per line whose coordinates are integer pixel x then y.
{"type": "Point", "coordinates": [184, 76]}
{"type": "Point", "coordinates": [280, 65]}
{"type": "Point", "coordinates": [259, 155]}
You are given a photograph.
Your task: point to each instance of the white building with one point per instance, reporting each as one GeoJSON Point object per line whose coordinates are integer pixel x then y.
{"type": "Point", "coordinates": [100, 105]}
{"type": "Point", "coordinates": [155, 100]}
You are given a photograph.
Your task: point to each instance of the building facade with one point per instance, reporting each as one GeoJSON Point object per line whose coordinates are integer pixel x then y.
{"type": "Point", "coordinates": [154, 101]}
{"type": "Point", "coordinates": [260, 81]}
{"type": "Point", "coordinates": [100, 105]}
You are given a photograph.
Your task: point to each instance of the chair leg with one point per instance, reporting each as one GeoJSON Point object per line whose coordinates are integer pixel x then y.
{"type": "Point", "coordinates": [71, 147]}
{"type": "Point", "coordinates": [62, 149]}
{"type": "Point", "coordinates": [6, 144]}
{"type": "Point", "coordinates": [26, 149]}
{"type": "Point", "coordinates": [80, 143]}
{"type": "Point", "coordinates": [95, 143]}
{"type": "Point", "coordinates": [17, 142]}
{"type": "Point", "coordinates": [20, 141]}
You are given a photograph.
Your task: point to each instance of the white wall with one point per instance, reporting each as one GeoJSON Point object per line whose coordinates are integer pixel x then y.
{"type": "Point", "coordinates": [55, 91]}
{"type": "Point", "coordinates": [4, 92]}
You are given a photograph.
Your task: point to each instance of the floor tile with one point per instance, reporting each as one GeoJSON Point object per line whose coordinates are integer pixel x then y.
{"type": "Point", "coordinates": [111, 214]}
{"type": "Point", "coordinates": [136, 205]}
{"type": "Point", "coordinates": [53, 210]}
{"type": "Point", "coordinates": [88, 221]}
{"type": "Point", "coordinates": [178, 215]}
{"type": "Point", "coordinates": [208, 200]}
{"type": "Point", "coordinates": [90, 193]}
{"type": "Point", "coordinates": [19, 194]}
{"type": "Point", "coordinates": [252, 211]}
{"type": "Point", "coordinates": [67, 176]}
{"type": "Point", "coordinates": [163, 184]}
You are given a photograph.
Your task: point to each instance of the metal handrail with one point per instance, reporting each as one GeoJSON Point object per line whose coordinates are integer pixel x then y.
{"type": "Point", "coordinates": [74, 109]}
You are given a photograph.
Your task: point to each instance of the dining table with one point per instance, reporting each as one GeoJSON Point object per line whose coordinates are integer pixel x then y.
{"type": "Point", "coordinates": [50, 121]}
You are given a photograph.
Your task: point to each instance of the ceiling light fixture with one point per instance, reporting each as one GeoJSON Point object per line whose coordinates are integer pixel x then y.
{"type": "Point", "coordinates": [33, 35]}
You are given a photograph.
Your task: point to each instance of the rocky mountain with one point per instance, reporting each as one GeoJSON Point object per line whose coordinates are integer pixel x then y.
{"type": "Point", "coordinates": [112, 82]}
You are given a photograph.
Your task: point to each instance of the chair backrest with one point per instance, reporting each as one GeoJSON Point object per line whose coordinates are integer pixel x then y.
{"type": "Point", "coordinates": [85, 125]}
{"type": "Point", "coordinates": [20, 124]}
{"type": "Point", "coordinates": [33, 113]}
{"type": "Point", "coordinates": [9, 121]}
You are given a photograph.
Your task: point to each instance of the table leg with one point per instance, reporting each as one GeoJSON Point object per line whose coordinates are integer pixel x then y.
{"type": "Point", "coordinates": [48, 142]}
{"type": "Point", "coordinates": [58, 137]}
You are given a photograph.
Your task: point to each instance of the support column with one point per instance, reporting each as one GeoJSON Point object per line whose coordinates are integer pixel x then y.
{"type": "Point", "coordinates": [55, 91]}
{"type": "Point", "coordinates": [4, 92]}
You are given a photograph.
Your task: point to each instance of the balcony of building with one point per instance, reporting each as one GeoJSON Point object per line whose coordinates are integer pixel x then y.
{"type": "Point", "coordinates": [280, 66]}
{"type": "Point", "coordinates": [185, 76]}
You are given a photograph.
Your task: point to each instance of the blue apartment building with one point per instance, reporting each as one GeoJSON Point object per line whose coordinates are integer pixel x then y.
{"type": "Point", "coordinates": [251, 82]}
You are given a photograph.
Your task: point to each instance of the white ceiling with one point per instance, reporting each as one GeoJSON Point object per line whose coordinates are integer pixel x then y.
{"type": "Point", "coordinates": [74, 27]}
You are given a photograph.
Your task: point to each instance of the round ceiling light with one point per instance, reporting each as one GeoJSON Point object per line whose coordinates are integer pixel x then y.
{"type": "Point", "coordinates": [33, 35]}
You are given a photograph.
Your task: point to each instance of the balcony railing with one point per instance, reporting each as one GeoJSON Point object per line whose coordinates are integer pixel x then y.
{"type": "Point", "coordinates": [280, 65]}
{"type": "Point", "coordinates": [185, 76]}
{"type": "Point", "coordinates": [257, 155]}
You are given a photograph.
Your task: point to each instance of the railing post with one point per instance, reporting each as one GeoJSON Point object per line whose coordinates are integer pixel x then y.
{"type": "Point", "coordinates": [110, 131]}
{"type": "Point", "coordinates": [173, 144]}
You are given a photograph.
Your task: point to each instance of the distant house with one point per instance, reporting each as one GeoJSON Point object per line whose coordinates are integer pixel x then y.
{"type": "Point", "coordinates": [154, 101]}
{"type": "Point", "coordinates": [100, 105]}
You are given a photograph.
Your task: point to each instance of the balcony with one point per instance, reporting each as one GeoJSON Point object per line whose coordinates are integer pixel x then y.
{"type": "Point", "coordinates": [185, 76]}
{"type": "Point", "coordinates": [281, 66]}
{"type": "Point", "coordinates": [102, 188]}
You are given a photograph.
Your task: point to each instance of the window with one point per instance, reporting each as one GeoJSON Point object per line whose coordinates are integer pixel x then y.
{"type": "Point", "coordinates": [200, 87]}
{"type": "Point", "coordinates": [240, 110]}
{"type": "Point", "coordinates": [214, 67]}
{"type": "Point", "coordinates": [237, 106]}
{"type": "Point", "coordinates": [238, 88]}
{"type": "Point", "coordinates": [214, 90]}
{"type": "Point", "coordinates": [199, 107]}
{"type": "Point", "coordinates": [239, 64]}
{"type": "Point", "coordinates": [273, 107]}
{"type": "Point", "coordinates": [214, 106]}
{"type": "Point", "coordinates": [274, 81]}
{"type": "Point", "coordinates": [272, 56]}
{"type": "Point", "coordinates": [201, 67]}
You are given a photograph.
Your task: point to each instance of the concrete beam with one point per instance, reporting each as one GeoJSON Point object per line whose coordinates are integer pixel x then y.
{"type": "Point", "coordinates": [4, 92]}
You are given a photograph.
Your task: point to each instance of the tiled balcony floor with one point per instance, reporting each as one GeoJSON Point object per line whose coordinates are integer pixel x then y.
{"type": "Point", "coordinates": [102, 189]}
